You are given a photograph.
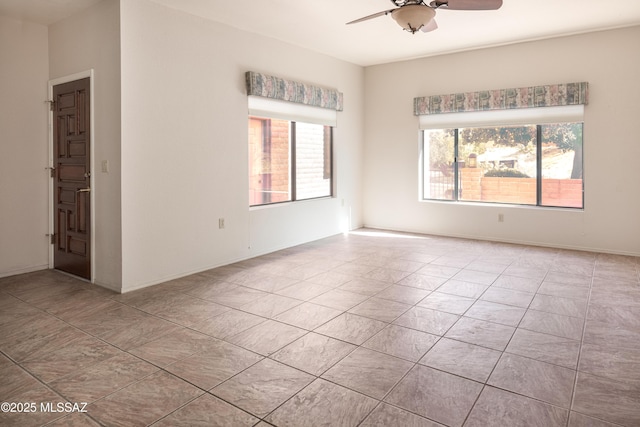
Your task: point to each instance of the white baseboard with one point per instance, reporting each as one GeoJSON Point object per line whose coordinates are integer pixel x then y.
{"type": "Point", "coordinates": [24, 270]}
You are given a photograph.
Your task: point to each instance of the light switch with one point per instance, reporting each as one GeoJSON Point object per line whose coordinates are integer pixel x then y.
{"type": "Point", "coordinates": [105, 166]}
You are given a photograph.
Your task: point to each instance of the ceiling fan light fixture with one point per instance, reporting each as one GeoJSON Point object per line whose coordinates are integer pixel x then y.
{"type": "Point", "coordinates": [413, 17]}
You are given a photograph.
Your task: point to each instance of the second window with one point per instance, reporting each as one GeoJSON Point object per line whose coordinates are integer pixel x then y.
{"type": "Point", "coordinates": [538, 165]}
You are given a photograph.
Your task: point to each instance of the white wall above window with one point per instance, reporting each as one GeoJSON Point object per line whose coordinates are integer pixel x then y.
{"type": "Point", "coordinates": [523, 116]}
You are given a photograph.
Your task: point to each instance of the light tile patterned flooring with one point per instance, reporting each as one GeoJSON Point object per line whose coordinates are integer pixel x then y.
{"type": "Point", "coordinates": [371, 329]}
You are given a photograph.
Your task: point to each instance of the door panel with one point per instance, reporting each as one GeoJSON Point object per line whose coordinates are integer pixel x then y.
{"type": "Point", "coordinates": [71, 151]}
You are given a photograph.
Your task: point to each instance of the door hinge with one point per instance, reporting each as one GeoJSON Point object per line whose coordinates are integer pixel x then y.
{"type": "Point", "coordinates": [53, 171]}
{"type": "Point", "coordinates": [52, 104]}
{"type": "Point", "coordinates": [52, 238]}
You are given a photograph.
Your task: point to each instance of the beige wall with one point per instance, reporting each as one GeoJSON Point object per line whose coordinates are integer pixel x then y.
{"type": "Point", "coordinates": [609, 61]}
{"type": "Point", "coordinates": [170, 118]}
{"type": "Point", "coordinates": [185, 145]}
{"type": "Point", "coordinates": [90, 40]}
{"type": "Point", "coordinates": [23, 147]}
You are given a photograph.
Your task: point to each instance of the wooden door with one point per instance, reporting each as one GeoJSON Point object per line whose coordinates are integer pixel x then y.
{"type": "Point", "coordinates": [72, 178]}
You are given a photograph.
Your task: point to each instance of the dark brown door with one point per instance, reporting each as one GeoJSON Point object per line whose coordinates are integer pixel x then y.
{"type": "Point", "coordinates": [71, 158]}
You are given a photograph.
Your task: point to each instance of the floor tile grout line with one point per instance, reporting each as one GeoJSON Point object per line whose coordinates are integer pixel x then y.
{"type": "Point", "coordinates": [300, 391]}
{"type": "Point", "coordinates": [568, 409]}
{"type": "Point", "coordinates": [379, 404]}
{"type": "Point", "coordinates": [476, 299]}
{"type": "Point", "coordinates": [160, 368]}
{"type": "Point", "coordinates": [582, 337]}
{"type": "Point", "coordinates": [208, 392]}
{"type": "Point", "coordinates": [356, 347]}
{"type": "Point", "coordinates": [530, 358]}
{"type": "Point", "coordinates": [56, 392]}
{"type": "Point", "coordinates": [475, 402]}
{"type": "Point", "coordinates": [414, 363]}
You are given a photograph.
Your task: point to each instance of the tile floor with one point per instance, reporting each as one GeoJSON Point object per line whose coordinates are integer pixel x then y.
{"type": "Point", "coordinates": [370, 329]}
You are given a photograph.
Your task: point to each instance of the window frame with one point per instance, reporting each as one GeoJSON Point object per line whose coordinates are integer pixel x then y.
{"type": "Point", "coordinates": [293, 157]}
{"type": "Point", "coordinates": [456, 167]}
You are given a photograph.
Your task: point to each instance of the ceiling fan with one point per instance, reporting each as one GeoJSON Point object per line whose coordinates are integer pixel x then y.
{"type": "Point", "coordinates": [414, 15]}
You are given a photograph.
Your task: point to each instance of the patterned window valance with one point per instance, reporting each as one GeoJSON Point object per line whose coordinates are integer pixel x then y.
{"type": "Point", "coordinates": [504, 99]}
{"type": "Point", "coordinates": [288, 90]}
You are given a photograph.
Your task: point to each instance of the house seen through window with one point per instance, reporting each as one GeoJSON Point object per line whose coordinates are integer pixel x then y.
{"type": "Point", "coordinates": [538, 165]}
{"type": "Point", "coordinates": [288, 161]}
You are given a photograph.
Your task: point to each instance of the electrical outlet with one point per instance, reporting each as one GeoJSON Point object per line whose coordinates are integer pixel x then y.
{"type": "Point", "coordinates": [220, 223]}
{"type": "Point", "coordinates": [500, 217]}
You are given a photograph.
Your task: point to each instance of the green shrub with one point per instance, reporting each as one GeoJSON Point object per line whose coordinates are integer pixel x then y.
{"type": "Point", "coordinates": [505, 173]}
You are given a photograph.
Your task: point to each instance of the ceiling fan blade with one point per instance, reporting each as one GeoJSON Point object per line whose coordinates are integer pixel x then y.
{"type": "Point", "coordinates": [375, 15]}
{"type": "Point", "coordinates": [431, 26]}
{"type": "Point", "coordinates": [467, 4]}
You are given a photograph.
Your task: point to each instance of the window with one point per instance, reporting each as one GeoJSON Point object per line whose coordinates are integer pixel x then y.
{"type": "Point", "coordinates": [539, 165]}
{"type": "Point", "coordinates": [288, 160]}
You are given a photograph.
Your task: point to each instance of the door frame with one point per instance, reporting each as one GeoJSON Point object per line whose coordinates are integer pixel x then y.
{"type": "Point", "coordinates": [54, 82]}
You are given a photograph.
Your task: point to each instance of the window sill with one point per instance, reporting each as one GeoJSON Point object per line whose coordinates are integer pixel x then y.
{"type": "Point", "coordinates": [500, 205]}
{"type": "Point", "coordinates": [294, 202]}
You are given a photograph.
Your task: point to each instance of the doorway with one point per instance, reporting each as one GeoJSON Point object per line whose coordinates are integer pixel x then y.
{"type": "Point", "coordinates": [71, 173]}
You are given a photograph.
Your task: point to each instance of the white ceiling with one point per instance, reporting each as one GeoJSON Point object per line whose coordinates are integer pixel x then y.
{"type": "Point", "coordinates": [43, 11]}
{"type": "Point", "coordinates": [320, 25]}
